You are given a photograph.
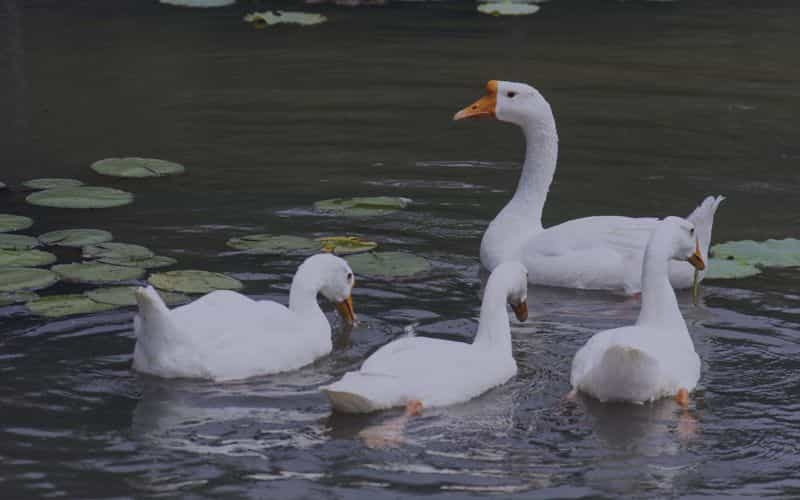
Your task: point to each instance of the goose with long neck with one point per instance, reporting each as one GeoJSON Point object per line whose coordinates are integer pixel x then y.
{"type": "Point", "coordinates": [591, 252]}
{"type": "Point", "coordinates": [421, 372]}
{"type": "Point", "coordinates": [655, 357]}
{"type": "Point", "coordinates": [225, 335]}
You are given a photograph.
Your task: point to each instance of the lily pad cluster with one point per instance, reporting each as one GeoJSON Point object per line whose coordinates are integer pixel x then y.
{"type": "Point", "coordinates": [740, 259]}
{"type": "Point", "coordinates": [267, 244]}
{"type": "Point", "coordinates": [362, 206]}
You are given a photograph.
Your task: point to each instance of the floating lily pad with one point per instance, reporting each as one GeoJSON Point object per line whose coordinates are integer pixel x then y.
{"type": "Point", "coordinates": [345, 245]}
{"type": "Point", "coordinates": [17, 242]}
{"type": "Point", "coordinates": [125, 296]}
{"type": "Point", "coordinates": [94, 272]}
{"type": "Point", "coordinates": [13, 279]}
{"type": "Point", "coordinates": [25, 258]}
{"type": "Point", "coordinates": [80, 197]}
{"type": "Point", "coordinates": [268, 18]}
{"type": "Point", "coordinates": [263, 244]}
{"type": "Point", "coordinates": [192, 281]}
{"type": "Point", "coordinates": [8, 298]}
{"type": "Point", "coordinates": [9, 222]}
{"type": "Point", "coordinates": [202, 4]}
{"type": "Point", "coordinates": [75, 237]}
{"type": "Point", "coordinates": [388, 264]}
{"type": "Point", "coordinates": [770, 253]}
{"type": "Point", "coordinates": [722, 269]}
{"type": "Point", "coordinates": [52, 183]}
{"type": "Point", "coordinates": [507, 8]}
{"type": "Point", "coordinates": [137, 167]}
{"type": "Point", "coordinates": [154, 262]}
{"type": "Point", "coordinates": [57, 306]}
{"type": "Point", "coordinates": [118, 251]}
{"type": "Point", "coordinates": [364, 206]}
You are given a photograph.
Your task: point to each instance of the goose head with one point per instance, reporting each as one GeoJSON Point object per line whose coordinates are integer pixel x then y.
{"type": "Point", "coordinates": [513, 277]}
{"type": "Point", "coordinates": [335, 280]}
{"type": "Point", "coordinates": [682, 241]}
{"type": "Point", "coordinates": [512, 102]}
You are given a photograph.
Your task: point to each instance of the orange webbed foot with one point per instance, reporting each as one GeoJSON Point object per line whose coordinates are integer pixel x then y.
{"type": "Point", "coordinates": [413, 408]}
{"type": "Point", "coordinates": [682, 397]}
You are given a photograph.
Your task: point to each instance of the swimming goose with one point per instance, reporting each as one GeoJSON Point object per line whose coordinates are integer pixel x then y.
{"type": "Point", "coordinates": [655, 357]}
{"type": "Point", "coordinates": [420, 372]}
{"type": "Point", "coordinates": [601, 252]}
{"type": "Point", "coordinates": [225, 335]}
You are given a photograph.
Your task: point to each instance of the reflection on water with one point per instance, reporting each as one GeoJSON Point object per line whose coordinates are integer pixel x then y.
{"type": "Point", "coordinates": [658, 104]}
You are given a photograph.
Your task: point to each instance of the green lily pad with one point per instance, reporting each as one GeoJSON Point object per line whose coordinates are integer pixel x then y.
{"type": "Point", "coordinates": [137, 167]}
{"type": "Point", "coordinates": [52, 183]}
{"type": "Point", "coordinates": [25, 258]}
{"type": "Point", "coordinates": [508, 8]}
{"type": "Point", "coordinates": [118, 251]}
{"type": "Point", "coordinates": [154, 262]}
{"type": "Point", "coordinates": [267, 18]}
{"type": "Point", "coordinates": [192, 281]}
{"type": "Point", "coordinates": [17, 242]}
{"type": "Point", "coordinates": [722, 269]}
{"type": "Point", "coordinates": [124, 296]}
{"type": "Point", "coordinates": [9, 222]}
{"type": "Point", "coordinates": [13, 279]}
{"type": "Point", "coordinates": [93, 272]}
{"type": "Point", "coordinates": [388, 264]}
{"type": "Point", "coordinates": [345, 245]}
{"type": "Point", "coordinates": [57, 306]}
{"type": "Point", "coordinates": [8, 298]}
{"type": "Point", "coordinates": [364, 206]}
{"type": "Point", "coordinates": [266, 244]}
{"type": "Point", "coordinates": [770, 253]}
{"type": "Point", "coordinates": [75, 237]}
{"type": "Point", "coordinates": [80, 197]}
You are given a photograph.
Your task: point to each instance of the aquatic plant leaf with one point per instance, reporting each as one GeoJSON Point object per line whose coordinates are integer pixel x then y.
{"type": "Point", "coordinates": [8, 298]}
{"type": "Point", "coordinates": [57, 306]}
{"type": "Point", "coordinates": [268, 18]}
{"type": "Point", "coordinates": [80, 197]}
{"type": "Point", "coordinates": [25, 258]}
{"type": "Point", "coordinates": [124, 296]}
{"type": "Point", "coordinates": [193, 281]}
{"type": "Point", "coordinates": [723, 269]}
{"type": "Point", "coordinates": [97, 273]}
{"type": "Point", "coordinates": [75, 237]}
{"type": "Point", "coordinates": [770, 253]}
{"type": "Point", "coordinates": [155, 262]}
{"type": "Point", "coordinates": [137, 167]}
{"type": "Point", "coordinates": [363, 206]}
{"type": "Point", "coordinates": [266, 244]}
{"type": "Point", "coordinates": [388, 264]}
{"type": "Point", "coordinates": [201, 4]}
{"type": "Point", "coordinates": [345, 245]}
{"type": "Point", "coordinates": [17, 242]}
{"type": "Point", "coordinates": [118, 251]}
{"type": "Point", "coordinates": [10, 222]}
{"type": "Point", "coordinates": [506, 8]}
{"type": "Point", "coordinates": [52, 183]}
{"type": "Point", "coordinates": [13, 279]}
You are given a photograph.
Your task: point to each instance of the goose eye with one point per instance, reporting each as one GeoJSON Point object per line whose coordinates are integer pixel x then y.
{"type": "Point", "coordinates": [349, 276]}
{"type": "Point", "coordinates": [511, 95]}
{"type": "Point", "coordinates": [691, 232]}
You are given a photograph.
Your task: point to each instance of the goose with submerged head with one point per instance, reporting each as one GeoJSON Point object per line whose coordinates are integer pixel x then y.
{"type": "Point", "coordinates": [655, 357]}
{"type": "Point", "coordinates": [226, 336]}
{"type": "Point", "coordinates": [601, 252]}
{"type": "Point", "coordinates": [421, 372]}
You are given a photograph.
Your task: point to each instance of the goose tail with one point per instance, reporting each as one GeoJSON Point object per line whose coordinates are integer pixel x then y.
{"type": "Point", "coordinates": [359, 392]}
{"type": "Point", "coordinates": [703, 219]}
{"type": "Point", "coordinates": [624, 373]}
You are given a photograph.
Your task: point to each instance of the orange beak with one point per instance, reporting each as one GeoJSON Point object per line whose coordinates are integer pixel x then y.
{"type": "Point", "coordinates": [483, 107]}
{"type": "Point", "coordinates": [521, 310]}
{"type": "Point", "coordinates": [345, 309]}
{"type": "Point", "coordinates": [696, 259]}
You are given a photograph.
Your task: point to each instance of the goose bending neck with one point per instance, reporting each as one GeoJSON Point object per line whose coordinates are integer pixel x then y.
{"type": "Point", "coordinates": [305, 288]}
{"type": "Point", "coordinates": [494, 329]}
{"type": "Point", "coordinates": [659, 304]}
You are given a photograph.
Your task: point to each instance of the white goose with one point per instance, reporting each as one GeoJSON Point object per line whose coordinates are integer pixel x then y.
{"type": "Point", "coordinates": [601, 252]}
{"type": "Point", "coordinates": [655, 357]}
{"type": "Point", "coordinates": [419, 372]}
{"type": "Point", "coordinates": [225, 335]}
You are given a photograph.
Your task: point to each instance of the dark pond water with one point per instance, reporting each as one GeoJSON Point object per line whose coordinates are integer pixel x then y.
{"type": "Point", "coordinates": [658, 104]}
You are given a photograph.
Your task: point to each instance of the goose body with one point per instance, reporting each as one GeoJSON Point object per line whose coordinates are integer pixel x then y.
{"type": "Point", "coordinates": [225, 335]}
{"type": "Point", "coordinates": [655, 357]}
{"type": "Point", "coordinates": [591, 252]}
{"type": "Point", "coordinates": [437, 372]}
